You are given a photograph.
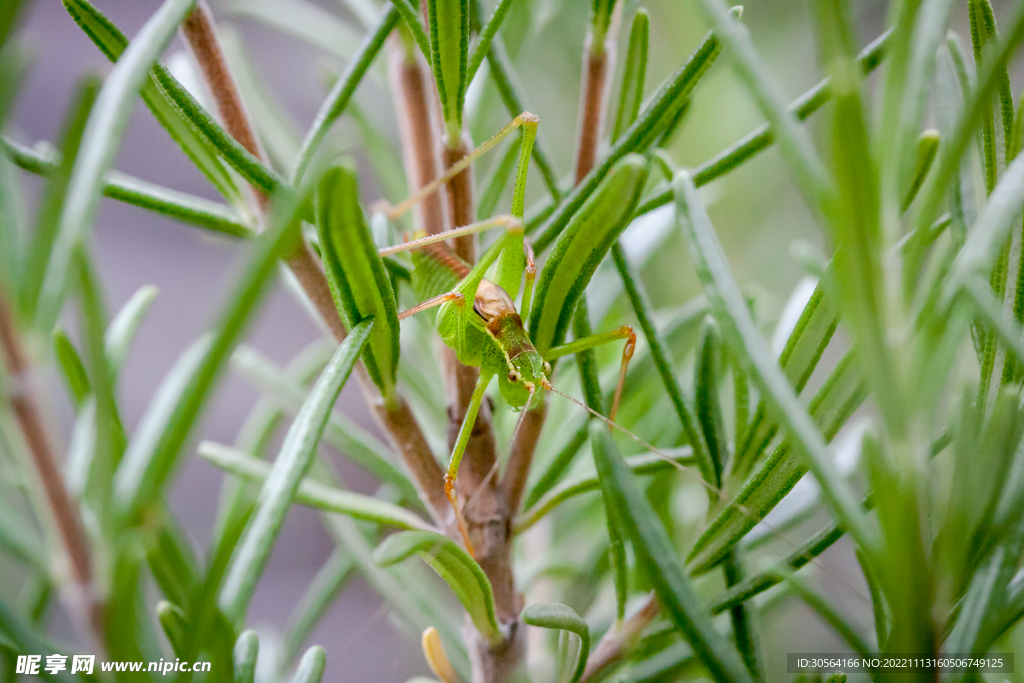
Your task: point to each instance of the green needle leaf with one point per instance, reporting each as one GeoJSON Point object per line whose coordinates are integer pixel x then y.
{"type": "Point", "coordinates": [311, 666]}
{"type": "Point", "coordinates": [581, 247]}
{"type": "Point", "coordinates": [125, 325]}
{"type": "Point", "coordinates": [131, 190]}
{"type": "Point", "coordinates": [653, 121]}
{"type": "Point", "coordinates": [47, 220]}
{"type": "Point", "coordinates": [631, 92]}
{"type": "Point", "coordinates": [292, 463]}
{"type": "Point", "coordinates": [453, 564]}
{"type": "Point", "coordinates": [71, 366]}
{"type": "Point", "coordinates": [247, 648]}
{"type": "Point", "coordinates": [831, 407]}
{"type": "Point", "coordinates": [660, 559]}
{"type": "Point", "coordinates": [356, 274]}
{"type": "Point", "coordinates": [561, 617]}
{"type": "Point", "coordinates": [312, 493]}
{"type": "Point", "coordinates": [172, 621]}
{"type": "Point", "coordinates": [449, 56]}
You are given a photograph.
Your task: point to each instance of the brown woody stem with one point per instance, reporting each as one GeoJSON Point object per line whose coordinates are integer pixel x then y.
{"type": "Point", "coordinates": [199, 32]}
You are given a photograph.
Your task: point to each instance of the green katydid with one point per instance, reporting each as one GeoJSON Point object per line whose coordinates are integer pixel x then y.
{"type": "Point", "coordinates": [477, 317]}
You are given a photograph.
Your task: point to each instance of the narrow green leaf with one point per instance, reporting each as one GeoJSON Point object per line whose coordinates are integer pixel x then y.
{"type": "Point", "coordinates": [48, 214]}
{"type": "Point", "coordinates": [829, 613]}
{"type": "Point", "coordinates": [927, 148]}
{"type": "Point", "coordinates": [411, 17]}
{"type": "Point", "coordinates": [292, 463]}
{"type": "Point", "coordinates": [831, 407]}
{"type": "Point", "coordinates": [647, 463]}
{"type": "Point", "coordinates": [709, 409]}
{"type": "Point", "coordinates": [449, 57]}
{"type": "Point", "coordinates": [804, 347]}
{"type": "Point", "coordinates": [759, 583]}
{"type": "Point", "coordinates": [354, 442]}
{"type": "Point", "coordinates": [663, 362]}
{"type": "Point", "coordinates": [110, 436]}
{"type": "Point", "coordinates": [483, 43]}
{"type": "Point", "coordinates": [122, 330]}
{"type": "Point", "coordinates": [72, 369]}
{"type": "Point", "coordinates": [356, 274]}
{"type": "Point", "coordinates": [130, 190]}
{"type": "Point", "coordinates": [586, 360]}
{"type": "Point", "coordinates": [937, 184]}
{"type": "Point", "coordinates": [631, 92]}
{"type": "Point", "coordinates": [109, 39]}
{"type": "Point", "coordinates": [743, 627]}
{"type": "Point", "coordinates": [168, 421]}
{"type": "Point", "coordinates": [341, 93]}
{"type": "Point", "coordinates": [241, 159]}
{"type": "Point", "coordinates": [312, 493]}
{"type": "Point", "coordinates": [247, 649]}
{"type": "Point", "coordinates": [582, 246]}
{"type": "Point", "coordinates": [311, 666]}
{"type": "Point", "coordinates": [561, 617]}
{"type": "Point", "coordinates": [102, 138]}
{"type": "Point", "coordinates": [742, 335]}
{"type": "Point", "coordinates": [14, 628]}
{"type": "Point", "coordinates": [660, 560]}
{"type": "Point", "coordinates": [645, 130]}
{"type": "Point", "coordinates": [453, 564]}
{"type": "Point", "coordinates": [172, 621]}
{"type": "Point", "coordinates": [990, 231]}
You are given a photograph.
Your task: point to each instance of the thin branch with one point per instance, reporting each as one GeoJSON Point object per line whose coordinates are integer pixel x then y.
{"type": "Point", "coordinates": [461, 209]}
{"type": "Point", "coordinates": [412, 104]}
{"type": "Point", "coordinates": [618, 641]}
{"type": "Point", "coordinates": [200, 34]}
{"type": "Point", "coordinates": [513, 483]}
{"type": "Point", "coordinates": [65, 514]}
{"type": "Point", "coordinates": [598, 62]}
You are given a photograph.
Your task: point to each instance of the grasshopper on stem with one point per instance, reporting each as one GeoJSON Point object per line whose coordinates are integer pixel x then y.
{"type": "Point", "coordinates": [477, 317]}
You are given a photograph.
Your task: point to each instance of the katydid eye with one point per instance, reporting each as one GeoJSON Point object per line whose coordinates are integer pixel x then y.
{"type": "Point", "coordinates": [547, 368]}
{"type": "Point", "coordinates": [514, 377]}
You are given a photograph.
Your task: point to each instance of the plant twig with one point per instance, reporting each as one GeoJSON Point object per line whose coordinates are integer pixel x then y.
{"type": "Point", "coordinates": [65, 514]}
{"type": "Point", "coordinates": [598, 61]}
{"type": "Point", "coordinates": [618, 641]}
{"type": "Point", "coordinates": [199, 33]}
{"type": "Point", "coordinates": [409, 90]}
{"type": "Point", "coordinates": [513, 483]}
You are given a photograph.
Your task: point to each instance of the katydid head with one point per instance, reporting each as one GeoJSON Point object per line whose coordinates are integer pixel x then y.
{"type": "Point", "coordinates": [527, 372]}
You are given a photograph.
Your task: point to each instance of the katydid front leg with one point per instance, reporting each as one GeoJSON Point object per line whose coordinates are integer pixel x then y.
{"type": "Point", "coordinates": [625, 332]}
{"type": "Point", "coordinates": [460, 447]}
